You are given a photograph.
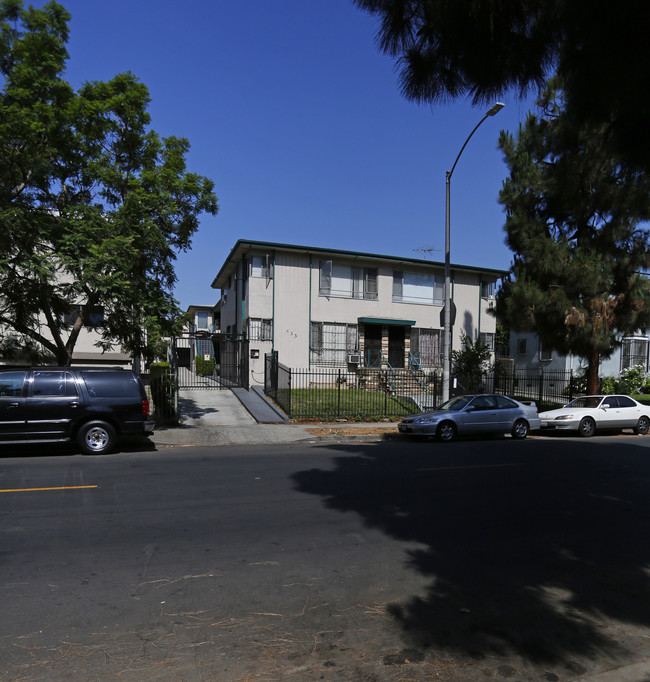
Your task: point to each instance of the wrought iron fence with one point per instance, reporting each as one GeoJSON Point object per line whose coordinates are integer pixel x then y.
{"type": "Point", "coordinates": [367, 393]}
{"type": "Point", "coordinates": [554, 387]}
{"type": "Point", "coordinates": [337, 393]}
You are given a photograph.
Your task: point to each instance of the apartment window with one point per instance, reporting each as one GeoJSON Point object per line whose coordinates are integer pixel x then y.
{"type": "Point", "coordinates": [260, 329]}
{"type": "Point", "coordinates": [93, 317]}
{"type": "Point", "coordinates": [545, 352]}
{"type": "Point", "coordinates": [418, 287]}
{"type": "Point", "coordinates": [634, 352]}
{"type": "Point", "coordinates": [521, 346]}
{"type": "Point", "coordinates": [345, 281]}
{"type": "Point", "coordinates": [332, 342]}
{"type": "Point", "coordinates": [488, 338]}
{"type": "Point", "coordinates": [262, 266]}
{"type": "Point", "coordinates": [201, 320]}
{"type": "Point", "coordinates": [426, 346]}
{"type": "Point", "coordinates": [489, 290]}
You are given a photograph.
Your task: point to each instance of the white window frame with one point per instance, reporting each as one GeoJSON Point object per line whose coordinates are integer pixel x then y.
{"type": "Point", "coordinates": [424, 288]}
{"type": "Point", "coordinates": [340, 280]}
{"type": "Point", "coordinates": [640, 346]}
{"type": "Point", "coordinates": [260, 329]}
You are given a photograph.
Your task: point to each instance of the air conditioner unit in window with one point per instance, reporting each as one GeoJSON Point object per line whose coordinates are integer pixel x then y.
{"type": "Point", "coordinates": [354, 358]}
{"type": "Point", "coordinates": [492, 303]}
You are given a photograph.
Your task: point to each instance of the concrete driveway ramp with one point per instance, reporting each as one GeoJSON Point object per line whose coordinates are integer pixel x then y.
{"type": "Point", "coordinates": [262, 410]}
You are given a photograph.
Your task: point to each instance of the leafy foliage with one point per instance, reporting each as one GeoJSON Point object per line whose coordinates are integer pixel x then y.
{"type": "Point", "coordinates": [572, 220]}
{"type": "Point", "coordinates": [471, 363]}
{"type": "Point", "coordinates": [94, 205]}
{"type": "Point", "coordinates": [481, 48]}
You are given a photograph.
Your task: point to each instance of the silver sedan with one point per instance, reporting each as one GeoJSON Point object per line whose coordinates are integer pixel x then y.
{"type": "Point", "coordinates": [463, 415]}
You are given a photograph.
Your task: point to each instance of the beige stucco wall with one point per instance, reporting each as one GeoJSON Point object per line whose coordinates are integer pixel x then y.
{"type": "Point", "coordinates": [291, 299]}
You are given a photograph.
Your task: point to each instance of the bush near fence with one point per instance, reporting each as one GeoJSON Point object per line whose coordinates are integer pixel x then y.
{"type": "Point", "coordinates": [204, 367]}
{"type": "Point", "coordinates": [162, 383]}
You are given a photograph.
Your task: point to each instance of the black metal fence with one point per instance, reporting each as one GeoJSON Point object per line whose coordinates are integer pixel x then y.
{"type": "Point", "coordinates": [210, 361]}
{"type": "Point", "coordinates": [336, 393]}
{"type": "Point", "coordinates": [325, 393]}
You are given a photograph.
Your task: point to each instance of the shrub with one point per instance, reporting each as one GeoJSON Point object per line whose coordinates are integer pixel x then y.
{"type": "Point", "coordinates": [163, 392]}
{"type": "Point", "coordinates": [203, 367]}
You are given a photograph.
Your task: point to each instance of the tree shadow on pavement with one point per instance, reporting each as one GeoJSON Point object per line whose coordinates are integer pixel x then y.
{"type": "Point", "coordinates": [537, 549]}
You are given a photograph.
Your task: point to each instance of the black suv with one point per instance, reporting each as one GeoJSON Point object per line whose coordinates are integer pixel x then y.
{"type": "Point", "coordinates": [53, 404]}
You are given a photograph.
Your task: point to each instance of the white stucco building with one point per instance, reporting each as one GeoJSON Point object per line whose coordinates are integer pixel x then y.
{"type": "Point", "coordinates": [336, 308]}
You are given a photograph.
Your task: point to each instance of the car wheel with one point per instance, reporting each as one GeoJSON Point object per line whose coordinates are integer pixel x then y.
{"type": "Point", "coordinates": [446, 431]}
{"type": "Point", "coordinates": [96, 438]}
{"type": "Point", "coordinates": [520, 429]}
{"type": "Point", "coordinates": [587, 427]}
{"type": "Point", "coordinates": [642, 426]}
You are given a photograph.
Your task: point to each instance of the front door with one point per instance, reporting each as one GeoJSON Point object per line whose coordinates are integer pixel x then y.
{"type": "Point", "coordinates": [396, 347]}
{"type": "Point", "coordinates": [372, 349]}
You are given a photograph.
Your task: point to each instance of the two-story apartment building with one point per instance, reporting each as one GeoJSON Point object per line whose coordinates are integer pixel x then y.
{"type": "Point", "coordinates": [337, 308]}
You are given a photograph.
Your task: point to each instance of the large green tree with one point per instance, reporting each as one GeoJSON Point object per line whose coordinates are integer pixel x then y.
{"type": "Point", "coordinates": [574, 220]}
{"type": "Point", "coordinates": [94, 204]}
{"type": "Point", "coordinates": [481, 48]}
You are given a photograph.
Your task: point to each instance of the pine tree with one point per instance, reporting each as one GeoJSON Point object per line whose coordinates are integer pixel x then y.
{"type": "Point", "coordinates": [573, 216]}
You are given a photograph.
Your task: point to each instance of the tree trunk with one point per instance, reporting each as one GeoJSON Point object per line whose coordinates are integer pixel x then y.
{"type": "Point", "coordinates": [592, 372]}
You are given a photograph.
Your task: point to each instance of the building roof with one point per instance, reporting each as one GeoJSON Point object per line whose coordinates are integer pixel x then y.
{"type": "Point", "coordinates": [244, 245]}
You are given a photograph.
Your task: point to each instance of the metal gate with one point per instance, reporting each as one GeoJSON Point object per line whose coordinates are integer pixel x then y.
{"type": "Point", "coordinates": [210, 361]}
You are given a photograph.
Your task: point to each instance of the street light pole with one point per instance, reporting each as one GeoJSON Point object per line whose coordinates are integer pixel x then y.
{"type": "Point", "coordinates": [446, 359]}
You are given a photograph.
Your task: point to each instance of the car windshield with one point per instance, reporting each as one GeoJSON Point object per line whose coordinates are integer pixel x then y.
{"type": "Point", "coordinates": [586, 401]}
{"type": "Point", "coordinates": [455, 404]}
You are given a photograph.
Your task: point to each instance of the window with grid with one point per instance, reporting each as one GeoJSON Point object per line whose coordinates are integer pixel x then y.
{"type": "Point", "coordinates": [344, 281]}
{"type": "Point", "coordinates": [634, 352]}
{"type": "Point", "coordinates": [260, 329]}
{"type": "Point", "coordinates": [487, 338]}
{"type": "Point", "coordinates": [332, 342]}
{"type": "Point", "coordinates": [426, 346]}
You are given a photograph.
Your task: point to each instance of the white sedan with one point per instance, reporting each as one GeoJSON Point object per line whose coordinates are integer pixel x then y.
{"type": "Point", "coordinates": [591, 412]}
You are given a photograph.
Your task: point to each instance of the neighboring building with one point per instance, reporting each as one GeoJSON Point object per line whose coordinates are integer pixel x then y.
{"type": "Point", "coordinates": [334, 308]}
{"type": "Point", "coordinates": [528, 352]}
{"type": "Point", "coordinates": [85, 351]}
{"type": "Point", "coordinates": [204, 318]}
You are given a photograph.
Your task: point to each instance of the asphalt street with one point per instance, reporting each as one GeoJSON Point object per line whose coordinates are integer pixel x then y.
{"type": "Point", "coordinates": [395, 560]}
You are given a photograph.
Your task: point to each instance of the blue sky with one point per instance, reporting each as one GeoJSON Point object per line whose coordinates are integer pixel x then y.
{"type": "Point", "coordinates": [293, 112]}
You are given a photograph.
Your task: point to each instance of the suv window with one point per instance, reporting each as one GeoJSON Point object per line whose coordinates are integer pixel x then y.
{"type": "Point", "coordinates": [11, 383]}
{"type": "Point", "coordinates": [53, 383]}
{"type": "Point", "coordinates": [111, 384]}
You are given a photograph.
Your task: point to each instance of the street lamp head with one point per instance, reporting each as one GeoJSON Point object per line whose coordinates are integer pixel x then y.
{"type": "Point", "coordinates": [495, 109]}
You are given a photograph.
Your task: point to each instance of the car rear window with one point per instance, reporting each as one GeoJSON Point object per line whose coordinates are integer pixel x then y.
{"type": "Point", "coordinates": [111, 384]}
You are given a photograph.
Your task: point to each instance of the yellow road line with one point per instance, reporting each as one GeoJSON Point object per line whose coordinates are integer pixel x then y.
{"type": "Point", "coordinates": [475, 466]}
{"type": "Point", "coordinates": [63, 487]}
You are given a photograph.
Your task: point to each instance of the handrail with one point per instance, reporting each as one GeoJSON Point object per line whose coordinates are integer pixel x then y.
{"type": "Point", "coordinates": [390, 367]}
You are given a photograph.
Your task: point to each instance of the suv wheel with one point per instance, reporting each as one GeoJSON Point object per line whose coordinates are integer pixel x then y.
{"type": "Point", "coordinates": [96, 438]}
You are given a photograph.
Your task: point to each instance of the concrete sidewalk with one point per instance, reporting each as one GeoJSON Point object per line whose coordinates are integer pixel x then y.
{"type": "Point", "coordinates": [219, 417]}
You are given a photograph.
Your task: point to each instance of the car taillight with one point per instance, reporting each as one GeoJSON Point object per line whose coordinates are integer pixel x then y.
{"type": "Point", "coordinates": [145, 408]}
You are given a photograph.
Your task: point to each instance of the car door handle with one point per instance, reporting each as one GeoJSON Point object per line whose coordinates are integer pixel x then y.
{"type": "Point", "coordinates": [10, 405]}
{"type": "Point", "coordinates": [74, 403]}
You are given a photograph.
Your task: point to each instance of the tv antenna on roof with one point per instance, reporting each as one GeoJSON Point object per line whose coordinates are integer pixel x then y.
{"type": "Point", "coordinates": [425, 250]}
